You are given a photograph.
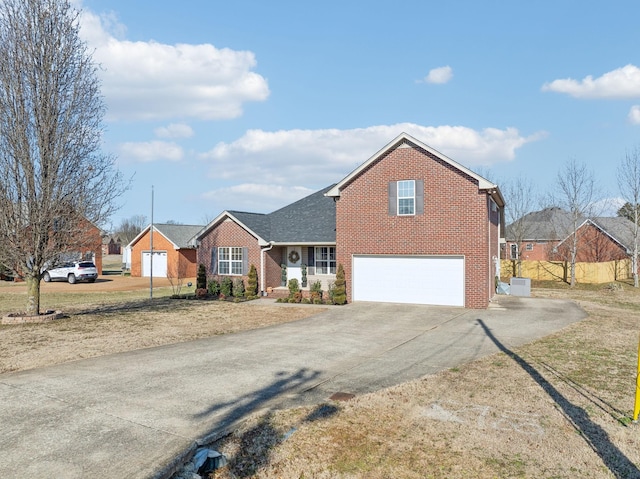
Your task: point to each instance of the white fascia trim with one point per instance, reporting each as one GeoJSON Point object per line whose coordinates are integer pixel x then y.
{"type": "Point", "coordinates": [483, 183]}
{"type": "Point", "coordinates": [219, 219]}
{"type": "Point", "coordinates": [155, 230]}
{"type": "Point", "coordinates": [312, 243]}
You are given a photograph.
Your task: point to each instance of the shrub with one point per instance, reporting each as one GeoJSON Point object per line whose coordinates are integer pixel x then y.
{"type": "Point", "coordinates": [201, 279]}
{"type": "Point", "coordinates": [226, 286]}
{"type": "Point", "coordinates": [294, 286]}
{"type": "Point", "coordinates": [297, 297]}
{"type": "Point", "coordinates": [214, 287]}
{"type": "Point", "coordinates": [303, 267]}
{"type": "Point", "coordinates": [252, 282]}
{"type": "Point", "coordinates": [340, 287]}
{"type": "Point", "coordinates": [283, 274]}
{"type": "Point", "coordinates": [238, 288]}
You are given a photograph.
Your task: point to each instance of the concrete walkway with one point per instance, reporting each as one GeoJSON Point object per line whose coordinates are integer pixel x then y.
{"type": "Point", "coordinates": [132, 415]}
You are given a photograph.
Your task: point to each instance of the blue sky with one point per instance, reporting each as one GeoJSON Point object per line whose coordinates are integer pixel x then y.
{"type": "Point", "coordinates": [249, 105]}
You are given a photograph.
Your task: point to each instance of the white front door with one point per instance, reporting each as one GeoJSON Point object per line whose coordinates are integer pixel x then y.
{"type": "Point", "coordinates": [294, 260]}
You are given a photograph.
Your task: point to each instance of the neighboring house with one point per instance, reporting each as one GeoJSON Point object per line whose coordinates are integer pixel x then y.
{"type": "Point", "coordinates": [111, 245]}
{"type": "Point", "coordinates": [87, 246]}
{"type": "Point", "coordinates": [172, 254]}
{"type": "Point", "coordinates": [550, 237]}
{"type": "Point", "coordinates": [409, 225]}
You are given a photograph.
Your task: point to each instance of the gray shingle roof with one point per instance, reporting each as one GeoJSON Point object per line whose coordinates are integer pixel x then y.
{"type": "Point", "coordinates": [620, 229]}
{"type": "Point", "coordinates": [178, 234]}
{"type": "Point", "coordinates": [548, 224]}
{"type": "Point", "coordinates": [311, 219]}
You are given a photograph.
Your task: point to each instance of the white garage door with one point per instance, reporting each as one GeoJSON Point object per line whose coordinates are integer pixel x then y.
{"type": "Point", "coordinates": [435, 280]}
{"type": "Point", "coordinates": [159, 264]}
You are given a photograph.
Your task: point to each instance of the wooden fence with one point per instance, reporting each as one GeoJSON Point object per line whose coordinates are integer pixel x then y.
{"type": "Point", "coordinates": [561, 271]}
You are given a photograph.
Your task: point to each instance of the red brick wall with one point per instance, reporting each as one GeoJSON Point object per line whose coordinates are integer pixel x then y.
{"type": "Point", "coordinates": [175, 258]}
{"type": "Point", "coordinates": [455, 219]}
{"type": "Point", "coordinates": [593, 247]}
{"type": "Point", "coordinates": [230, 234]}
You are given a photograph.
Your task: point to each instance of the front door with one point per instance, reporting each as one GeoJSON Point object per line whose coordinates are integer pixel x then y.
{"type": "Point", "coordinates": [294, 260]}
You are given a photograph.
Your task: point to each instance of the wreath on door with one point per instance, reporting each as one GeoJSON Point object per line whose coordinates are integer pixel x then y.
{"type": "Point", "coordinates": [294, 257]}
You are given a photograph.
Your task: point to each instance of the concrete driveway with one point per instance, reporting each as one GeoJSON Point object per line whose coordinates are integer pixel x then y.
{"type": "Point", "coordinates": [133, 414]}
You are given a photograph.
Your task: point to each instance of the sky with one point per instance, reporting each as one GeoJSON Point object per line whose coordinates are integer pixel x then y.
{"type": "Point", "coordinates": [251, 105]}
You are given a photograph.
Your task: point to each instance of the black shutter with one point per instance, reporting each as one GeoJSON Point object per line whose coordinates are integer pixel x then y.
{"type": "Point", "coordinates": [393, 198]}
{"type": "Point", "coordinates": [214, 261]}
{"type": "Point", "coordinates": [245, 261]}
{"type": "Point", "coordinates": [419, 197]}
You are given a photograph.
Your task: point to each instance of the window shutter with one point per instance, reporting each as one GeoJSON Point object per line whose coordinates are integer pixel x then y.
{"type": "Point", "coordinates": [245, 261]}
{"type": "Point", "coordinates": [393, 198]}
{"type": "Point", "coordinates": [214, 261]}
{"type": "Point", "coordinates": [419, 197]}
{"type": "Point", "coordinates": [311, 259]}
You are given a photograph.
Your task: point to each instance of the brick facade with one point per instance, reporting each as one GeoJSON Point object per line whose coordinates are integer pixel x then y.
{"type": "Point", "coordinates": [179, 261]}
{"type": "Point", "coordinates": [457, 219]}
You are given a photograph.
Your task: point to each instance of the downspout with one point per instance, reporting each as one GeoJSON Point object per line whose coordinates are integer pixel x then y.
{"type": "Point", "coordinates": [262, 252]}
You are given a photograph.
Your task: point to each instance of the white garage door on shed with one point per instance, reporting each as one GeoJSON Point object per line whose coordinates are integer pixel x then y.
{"type": "Point", "coordinates": [437, 280]}
{"type": "Point", "coordinates": [159, 264]}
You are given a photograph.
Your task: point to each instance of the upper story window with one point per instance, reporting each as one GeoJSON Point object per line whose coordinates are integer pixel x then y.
{"type": "Point", "coordinates": [406, 197]}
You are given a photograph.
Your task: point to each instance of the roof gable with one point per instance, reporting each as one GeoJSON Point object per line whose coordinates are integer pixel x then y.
{"type": "Point", "coordinates": [311, 219]}
{"type": "Point", "coordinates": [404, 140]}
{"type": "Point", "coordinates": [178, 235]}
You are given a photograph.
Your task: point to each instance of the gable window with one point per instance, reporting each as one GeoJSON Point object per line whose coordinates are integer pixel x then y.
{"type": "Point", "coordinates": [231, 260]}
{"type": "Point", "coordinates": [325, 260]}
{"type": "Point", "coordinates": [406, 197]}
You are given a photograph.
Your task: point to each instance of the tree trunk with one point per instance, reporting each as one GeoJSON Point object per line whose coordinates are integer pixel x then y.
{"type": "Point", "coordinates": [33, 295]}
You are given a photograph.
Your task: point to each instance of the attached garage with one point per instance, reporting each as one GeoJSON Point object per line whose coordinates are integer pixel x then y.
{"type": "Point", "coordinates": [437, 280]}
{"type": "Point", "coordinates": [159, 264]}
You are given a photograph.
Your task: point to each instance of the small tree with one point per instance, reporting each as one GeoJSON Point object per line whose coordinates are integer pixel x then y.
{"type": "Point", "coordinates": [238, 288]}
{"type": "Point", "coordinates": [303, 268]}
{"type": "Point", "coordinates": [629, 184]}
{"type": "Point", "coordinates": [201, 279]}
{"type": "Point", "coordinates": [213, 285]}
{"type": "Point", "coordinates": [340, 287]}
{"type": "Point", "coordinates": [252, 282]}
{"type": "Point", "coordinates": [176, 275]}
{"type": "Point", "coordinates": [226, 287]}
{"type": "Point", "coordinates": [283, 274]}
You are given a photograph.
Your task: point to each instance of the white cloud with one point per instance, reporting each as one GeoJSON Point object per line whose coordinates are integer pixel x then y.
{"type": "Point", "coordinates": [150, 80]}
{"type": "Point", "coordinates": [634, 114]}
{"type": "Point", "coordinates": [620, 83]}
{"type": "Point", "coordinates": [150, 151]}
{"type": "Point", "coordinates": [439, 75]}
{"type": "Point", "coordinates": [322, 157]}
{"type": "Point", "coordinates": [174, 130]}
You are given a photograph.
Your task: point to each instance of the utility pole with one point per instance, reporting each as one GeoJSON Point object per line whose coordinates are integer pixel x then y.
{"type": "Point", "coordinates": [151, 247]}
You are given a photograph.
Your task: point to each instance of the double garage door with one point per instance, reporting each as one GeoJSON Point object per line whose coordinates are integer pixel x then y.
{"type": "Point", "coordinates": [437, 280]}
{"type": "Point", "coordinates": [159, 264]}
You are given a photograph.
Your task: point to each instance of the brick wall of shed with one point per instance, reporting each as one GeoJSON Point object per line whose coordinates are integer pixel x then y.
{"type": "Point", "coordinates": [455, 219]}
{"type": "Point", "coordinates": [175, 258]}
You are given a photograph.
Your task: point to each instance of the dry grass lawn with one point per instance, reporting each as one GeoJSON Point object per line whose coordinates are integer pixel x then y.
{"type": "Point", "coordinates": [556, 408]}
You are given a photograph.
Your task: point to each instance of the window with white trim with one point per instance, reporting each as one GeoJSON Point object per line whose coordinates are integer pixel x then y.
{"type": "Point", "coordinates": [230, 260]}
{"type": "Point", "coordinates": [325, 260]}
{"type": "Point", "coordinates": [529, 247]}
{"type": "Point", "coordinates": [406, 197]}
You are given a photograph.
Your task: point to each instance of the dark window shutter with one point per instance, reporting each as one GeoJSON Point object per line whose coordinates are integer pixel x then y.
{"type": "Point", "coordinates": [393, 198]}
{"type": "Point", "coordinates": [245, 261]}
{"type": "Point", "coordinates": [311, 259]}
{"type": "Point", "coordinates": [214, 261]}
{"type": "Point", "coordinates": [419, 197]}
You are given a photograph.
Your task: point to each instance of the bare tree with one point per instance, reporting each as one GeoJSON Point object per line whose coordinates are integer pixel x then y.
{"type": "Point", "coordinates": [519, 200]}
{"type": "Point", "coordinates": [576, 193]}
{"type": "Point", "coordinates": [129, 228]}
{"type": "Point", "coordinates": [56, 183]}
{"type": "Point", "coordinates": [629, 185]}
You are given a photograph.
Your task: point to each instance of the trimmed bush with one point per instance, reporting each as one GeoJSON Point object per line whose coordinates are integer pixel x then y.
{"type": "Point", "coordinates": [214, 287]}
{"type": "Point", "coordinates": [226, 287]}
{"type": "Point", "coordinates": [252, 282]}
{"type": "Point", "coordinates": [201, 279]}
{"type": "Point", "coordinates": [340, 287]}
{"type": "Point", "coordinates": [238, 288]}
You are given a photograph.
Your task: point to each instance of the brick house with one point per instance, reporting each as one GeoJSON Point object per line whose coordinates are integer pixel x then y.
{"type": "Point", "coordinates": [547, 235]}
{"type": "Point", "coordinates": [173, 255]}
{"type": "Point", "coordinates": [409, 225]}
